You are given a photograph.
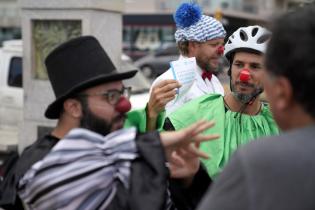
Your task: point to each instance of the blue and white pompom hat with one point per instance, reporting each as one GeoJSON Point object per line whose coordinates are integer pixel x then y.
{"type": "Point", "coordinates": [192, 25]}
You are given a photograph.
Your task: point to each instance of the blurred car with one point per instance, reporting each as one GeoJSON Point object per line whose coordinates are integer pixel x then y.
{"type": "Point", "coordinates": [133, 52]}
{"type": "Point", "coordinates": [156, 63]}
{"type": "Point", "coordinates": [139, 83]}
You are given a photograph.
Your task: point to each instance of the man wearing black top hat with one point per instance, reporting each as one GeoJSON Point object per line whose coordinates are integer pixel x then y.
{"type": "Point", "coordinates": [91, 103]}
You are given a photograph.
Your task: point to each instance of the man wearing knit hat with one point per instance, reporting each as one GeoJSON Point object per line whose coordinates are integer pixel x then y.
{"type": "Point", "coordinates": [198, 36]}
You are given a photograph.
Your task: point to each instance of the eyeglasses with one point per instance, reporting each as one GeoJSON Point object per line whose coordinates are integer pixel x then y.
{"type": "Point", "coordinates": [111, 96]}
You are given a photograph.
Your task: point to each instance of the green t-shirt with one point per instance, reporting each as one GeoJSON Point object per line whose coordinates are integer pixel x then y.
{"type": "Point", "coordinates": [235, 129]}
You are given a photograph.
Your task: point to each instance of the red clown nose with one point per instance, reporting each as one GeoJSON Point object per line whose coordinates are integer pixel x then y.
{"type": "Point", "coordinates": [244, 75]}
{"type": "Point", "coordinates": [123, 105]}
{"type": "Point", "coordinates": [220, 50]}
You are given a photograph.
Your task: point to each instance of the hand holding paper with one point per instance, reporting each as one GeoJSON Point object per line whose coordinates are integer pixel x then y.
{"type": "Point", "coordinates": [184, 71]}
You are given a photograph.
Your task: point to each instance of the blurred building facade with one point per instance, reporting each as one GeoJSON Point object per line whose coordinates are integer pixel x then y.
{"type": "Point", "coordinates": [148, 24]}
{"type": "Point", "coordinates": [263, 7]}
{"type": "Point", "coordinates": [10, 20]}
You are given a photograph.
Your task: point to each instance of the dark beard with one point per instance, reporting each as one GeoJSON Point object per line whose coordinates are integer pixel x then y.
{"type": "Point", "coordinates": [245, 98]}
{"type": "Point", "coordinates": [94, 123]}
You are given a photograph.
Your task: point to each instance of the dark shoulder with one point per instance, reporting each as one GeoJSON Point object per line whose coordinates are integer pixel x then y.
{"type": "Point", "coordinates": [35, 152]}
{"type": "Point", "coordinates": [45, 141]}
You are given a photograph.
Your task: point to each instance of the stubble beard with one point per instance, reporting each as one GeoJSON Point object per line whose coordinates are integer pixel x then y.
{"type": "Point", "coordinates": [205, 66]}
{"type": "Point", "coordinates": [245, 97]}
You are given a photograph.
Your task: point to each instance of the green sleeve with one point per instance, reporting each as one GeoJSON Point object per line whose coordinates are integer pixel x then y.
{"type": "Point", "coordinates": [138, 118]}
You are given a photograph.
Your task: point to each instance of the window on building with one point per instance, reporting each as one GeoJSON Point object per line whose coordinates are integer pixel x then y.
{"type": "Point", "coordinates": [138, 40]}
{"type": "Point", "coordinates": [15, 73]}
{"type": "Point", "coordinates": [8, 33]}
{"type": "Point", "coordinates": [225, 5]}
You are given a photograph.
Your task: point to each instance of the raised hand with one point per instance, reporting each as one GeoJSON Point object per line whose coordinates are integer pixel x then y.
{"type": "Point", "coordinates": [184, 163]}
{"type": "Point", "coordinates": [175, 140]}
{"type": "Point", "coordinates": [161, 94]}
{"type": "Point", "coordinates": [183, 153]}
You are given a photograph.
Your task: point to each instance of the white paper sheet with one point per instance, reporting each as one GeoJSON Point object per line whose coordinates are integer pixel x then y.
{"type": "Point", "coordinates": [184, 71]}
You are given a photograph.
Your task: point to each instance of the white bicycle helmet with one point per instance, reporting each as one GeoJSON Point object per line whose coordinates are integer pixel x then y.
{"type": "Point", "coordinates": [251, 37]}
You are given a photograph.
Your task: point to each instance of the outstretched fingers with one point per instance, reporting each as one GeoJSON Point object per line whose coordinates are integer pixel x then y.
{"type": "Point", "coordinates": [195, 151]}
{"type": "Point", "coordinates": [201, 138]}
{"type": "Point", "coordinates": [201, 126]}
{"type": "Point", "coordinates": [191, 134]}
{"type": "Point", "coordinates": [195, 130]}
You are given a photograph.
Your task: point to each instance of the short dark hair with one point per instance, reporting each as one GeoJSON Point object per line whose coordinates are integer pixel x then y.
{"type": "Point", "coordinates": [291, 54]}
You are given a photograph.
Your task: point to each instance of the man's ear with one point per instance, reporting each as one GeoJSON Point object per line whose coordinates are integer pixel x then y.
{"type": "Point", "coordinates": [72, 107]}
{"type": "Point", "coordinates": [283, 94]}
{"type": "Point", "coordinates": [192, 47]}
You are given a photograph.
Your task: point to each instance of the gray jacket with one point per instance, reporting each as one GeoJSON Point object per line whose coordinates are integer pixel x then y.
{"type": "Point", "coordinates": [274, 173]}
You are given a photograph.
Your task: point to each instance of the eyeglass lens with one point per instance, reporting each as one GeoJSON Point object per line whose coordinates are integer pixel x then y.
{"type": "Point", "coordinates": [114, 95]}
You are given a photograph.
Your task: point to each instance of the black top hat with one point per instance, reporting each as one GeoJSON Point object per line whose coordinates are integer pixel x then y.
{"type": "Point", "coordinates": [78, 64]}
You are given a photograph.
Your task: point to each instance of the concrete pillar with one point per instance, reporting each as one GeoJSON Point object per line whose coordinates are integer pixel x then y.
{"type": "Point", "coordinates": [46, 24]}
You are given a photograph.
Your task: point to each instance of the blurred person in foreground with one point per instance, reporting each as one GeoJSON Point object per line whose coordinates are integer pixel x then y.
{"type": "Point", "coordinates": [278, 172]}
{"type": "Point", "coordinates": [198, 36]}
{"type": "Point", "coordinates": [88, 161]}
{"type": "Point", "coordinates": [240, 115]}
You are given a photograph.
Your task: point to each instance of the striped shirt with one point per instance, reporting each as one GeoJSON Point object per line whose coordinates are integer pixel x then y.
{"type": "Point", "coordinates": [81, 171]}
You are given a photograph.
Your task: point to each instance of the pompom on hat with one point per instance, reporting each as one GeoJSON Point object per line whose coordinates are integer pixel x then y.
{"type": "Point", "coordinates": [192, 25]}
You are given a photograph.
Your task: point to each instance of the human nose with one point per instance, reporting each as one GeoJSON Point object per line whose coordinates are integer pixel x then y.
{"type": "Point", "coordinates": [123, 105]}
{"type": "Point", "coordinates": [244, 75]}
{"type": "Point", "coordinates": [220, 50]}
